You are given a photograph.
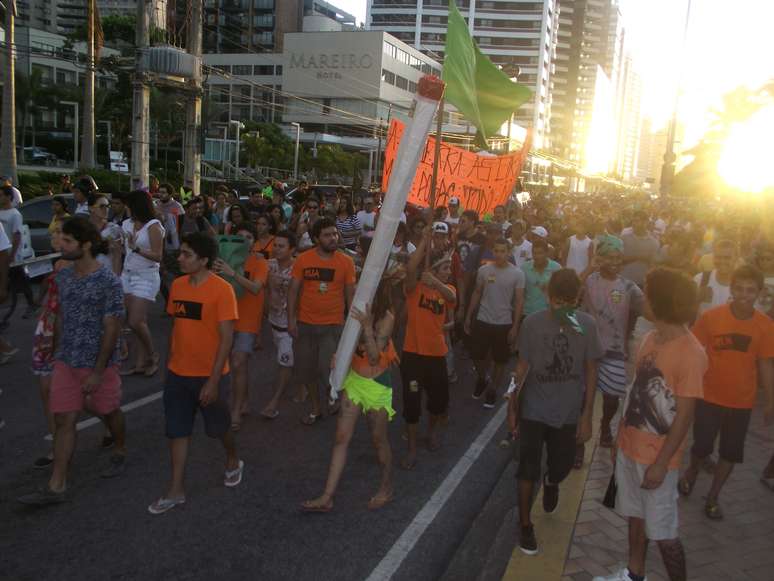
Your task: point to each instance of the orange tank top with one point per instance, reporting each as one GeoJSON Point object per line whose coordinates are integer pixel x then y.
{"type": "Point", "coordinates": [362, 367]}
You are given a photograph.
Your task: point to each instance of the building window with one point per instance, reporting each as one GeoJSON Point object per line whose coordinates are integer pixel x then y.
{"type": "Point", "coordinates": [326, 109]}
{"type": "Point", "coordinates": [263, 70]}
{"type": "Point", "coordinates": [243, 69]}
{"type": "Point", "coordinates": [401, 82]}
{"type": "Point", "coordinates": [388, 77]}
{"type": "Point", "coordinates": [224, 68]}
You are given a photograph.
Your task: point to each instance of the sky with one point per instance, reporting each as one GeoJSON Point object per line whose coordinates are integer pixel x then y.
{"type": "Point", "coordinates": [728, 44]}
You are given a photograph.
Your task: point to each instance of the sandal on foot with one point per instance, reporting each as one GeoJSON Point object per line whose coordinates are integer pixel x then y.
{"type": "Point", "coordinates": [162, 505]}
{"type": "Point", "coordinates": [310, 506]}
{"type": "Point", "coordinates": [712, 510]}
{"type": "Point", "coordinates": [236, 426]}
{"type": "Point", "coordinates": [685, 486]}
{"type": "Point", "coordinates": [233, 477]}
{"type": "Point", "coordinates": [153, 366]}
{"type": "Point", "coordinates": [311, 419]}
{"type": "Point", "coordinates": [378, 502]}
{"type": "Point", "coordinates": [272, 415]}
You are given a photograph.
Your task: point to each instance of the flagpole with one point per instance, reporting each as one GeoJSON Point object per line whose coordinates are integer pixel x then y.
{"type": "Point", "coordinates": [436, 163]}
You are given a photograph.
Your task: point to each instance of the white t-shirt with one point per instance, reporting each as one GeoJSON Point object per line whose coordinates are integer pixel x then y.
{"type": "Point", "coordinates": [12, 222]}
{"type": "Point", "coordinates": [721, 294]}
{"type": "Point", "coordinates": [367, 219]}
{"type": "Point", "coordinates": [5, 244]}
{"type": "Point", "coordinates": [522, 253]}
{"type": "Point", "coordinates": [578, 254]}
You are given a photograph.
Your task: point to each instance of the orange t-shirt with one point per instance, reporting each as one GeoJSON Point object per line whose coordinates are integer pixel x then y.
{"type": "Point", "coordinates": [322, 286]}
{"type": "Point", "coordinates": [664, 372]}
{"type": "Point", "coordinates": [733, 347]}
{"type": "Point", "coordinates": [197, 311]}
{"type": "Point", "coordinates": [250, 306]}
{"type": "Point", "coordinates": [264, 249]}
{"type": "Point", "coordinates": [426, 316]}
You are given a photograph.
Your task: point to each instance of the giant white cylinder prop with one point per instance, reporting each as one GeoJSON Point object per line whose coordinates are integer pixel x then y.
{"type": "Point", "coordinates": [412, 144]}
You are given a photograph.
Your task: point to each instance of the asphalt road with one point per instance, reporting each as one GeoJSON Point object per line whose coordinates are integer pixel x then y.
{"type": "Point", "coordinates": [255, 531]}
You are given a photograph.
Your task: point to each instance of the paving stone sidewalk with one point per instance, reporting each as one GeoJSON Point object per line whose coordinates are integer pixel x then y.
{"type": "Point", "coordinates": [740, 547]}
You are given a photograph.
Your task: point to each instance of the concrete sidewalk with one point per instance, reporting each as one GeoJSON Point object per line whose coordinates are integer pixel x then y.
{"type": "Point", "coordinates": [740, 547]}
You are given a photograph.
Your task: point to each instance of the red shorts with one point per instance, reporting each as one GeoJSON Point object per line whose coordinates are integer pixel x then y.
{"type": "Point", "coordinates": [67, 390]}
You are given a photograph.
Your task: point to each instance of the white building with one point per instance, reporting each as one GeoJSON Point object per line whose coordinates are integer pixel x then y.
{"type": "Point", "coordinates": [510, 32]}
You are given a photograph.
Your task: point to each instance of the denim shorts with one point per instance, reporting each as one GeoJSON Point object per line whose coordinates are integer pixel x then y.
{"type": "Point", "coordinates": [181, 401]}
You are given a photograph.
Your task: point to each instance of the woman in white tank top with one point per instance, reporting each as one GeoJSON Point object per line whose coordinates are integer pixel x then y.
{"type": "Point", "coordinates": [144, 237]}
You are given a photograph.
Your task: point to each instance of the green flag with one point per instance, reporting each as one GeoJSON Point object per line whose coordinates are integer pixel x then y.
{"type": "Point", "coordinates": [474, 85]}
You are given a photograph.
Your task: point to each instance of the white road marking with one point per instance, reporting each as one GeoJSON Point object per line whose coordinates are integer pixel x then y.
{"type": "Point", "coordinates": [392, 561]}
{"type": "Point", "coordinates": [82, 425]}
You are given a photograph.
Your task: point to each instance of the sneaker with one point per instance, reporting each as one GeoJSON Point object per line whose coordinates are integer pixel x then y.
{"type": "Point", "coordinates": [528, 542]}
{"type": "Point", "coordinates": [233, 477]}
{"type": "Point", "coordinates": [490, 399]}
{"type": "Point", "coordinates": [550, 496]}
{"type": "Point", "coordinates": [107, 442]}
{"type": "Point", "coordinates": [622, 575]}
{"type": "Point", "coordinates": [116, 467]}
{"type": "Point", "coordinates": [453, 378]}
{"type": "Point", "coordinates": [43, 497]}
{"type": "Point", "coordinates": [480, 387]}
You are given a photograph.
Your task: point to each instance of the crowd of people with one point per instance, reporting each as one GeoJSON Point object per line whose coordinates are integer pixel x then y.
{"type": "Point", "coordinates": [665, 308]}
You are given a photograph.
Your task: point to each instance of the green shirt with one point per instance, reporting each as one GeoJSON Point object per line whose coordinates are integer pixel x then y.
{"type": "Point", "coordinates": [536, 285]}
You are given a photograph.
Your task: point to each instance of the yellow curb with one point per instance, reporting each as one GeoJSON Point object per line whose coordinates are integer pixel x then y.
{"type": "Point", "coordinates": [554, 531]}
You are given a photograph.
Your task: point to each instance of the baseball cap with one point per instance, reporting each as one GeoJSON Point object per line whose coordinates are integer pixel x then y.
{"type": "Point", "coordinates": [454, 201]}
{"type": "Point", "coordinates": [540, 231]}
{"type": "Point", "coordinates": [440, 227]}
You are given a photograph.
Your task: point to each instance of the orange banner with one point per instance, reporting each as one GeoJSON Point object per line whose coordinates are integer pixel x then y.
{"type": "Point", "coordinates": [481, 182]}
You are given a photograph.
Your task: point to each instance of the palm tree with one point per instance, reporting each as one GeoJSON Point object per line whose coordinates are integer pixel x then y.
{"type": "Point", "coordinates": [8, 138]}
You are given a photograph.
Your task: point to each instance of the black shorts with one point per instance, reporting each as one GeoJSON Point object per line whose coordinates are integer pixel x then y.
{"type": "Point", "coordinates": [423, 373]}
{"type": "Point", "coordinates": [181, 400]}
{"type": "Point", "coordinates": [560, 450]}
{"type": "Point", "coordinates": [732, 423]}
{"type": "Point", "coordinates": [488, 338]}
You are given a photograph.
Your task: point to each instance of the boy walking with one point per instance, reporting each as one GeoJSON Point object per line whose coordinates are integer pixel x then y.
{"type": "Point", "coordinates": [558, 353]}
{"type": "Point", "coordinates": [204, 308]}
{"type": "Point", "coordinates": [657, 413]}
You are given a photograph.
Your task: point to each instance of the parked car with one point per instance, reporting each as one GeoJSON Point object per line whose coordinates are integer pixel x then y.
{"type": "Point", "coordinates": [37, 215]}
{"type": "Point", "coordinates": [39, 156]}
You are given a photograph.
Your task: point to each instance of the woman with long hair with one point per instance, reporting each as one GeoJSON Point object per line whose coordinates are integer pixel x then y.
{"type": "Point", "coordinates": [348, 224]}
{"type": "Point", "coordinates": [144, 236]}
{"type": "Point", "coordinates": [367, 390]}
{"type": "Point", "coordinates": [265, 232]}
{"type": "Point", "coordinates": [236, 216]}
{"type": "Point", "coordinates": [278, 215]}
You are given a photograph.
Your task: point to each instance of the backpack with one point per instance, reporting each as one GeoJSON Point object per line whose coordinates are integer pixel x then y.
{"type": "Point", "coordinates": [233, 250]}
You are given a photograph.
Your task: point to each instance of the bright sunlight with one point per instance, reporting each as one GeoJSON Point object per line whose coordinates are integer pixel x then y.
{"type": "Point", "coordinates": [745, 160]}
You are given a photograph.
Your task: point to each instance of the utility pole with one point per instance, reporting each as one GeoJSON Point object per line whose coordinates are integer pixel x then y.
{"type": "Point", "coordinates": [87, 143]}
{"type": "Point", "coordinates": [193, 108]}
{"type": "Point", "coordinates": [141, 102]}
{"type": "Point", "coordinates": [8, 138]}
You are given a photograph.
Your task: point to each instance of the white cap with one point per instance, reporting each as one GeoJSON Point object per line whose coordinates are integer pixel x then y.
{"type": "Point", "coordinates": [441, 227]}
{"type": "Point", "coordinates": [454, 201]}
{"type": "Point", "coordinates": [540, 231]}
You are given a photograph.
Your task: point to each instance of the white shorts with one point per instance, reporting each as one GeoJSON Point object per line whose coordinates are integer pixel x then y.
{"type": "Point", "coordinates": [658, 507]}
{"type": "Point", "coordinates": [141, 284]}
{"type": "Point", "coordinates": [283, 341]}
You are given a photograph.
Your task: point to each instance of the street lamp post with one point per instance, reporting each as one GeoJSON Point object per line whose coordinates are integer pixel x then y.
{"type": "Point", "coordinates": [298, 139]}
{"type": "Point", "coordinates": [239, 125]}
{"type": "Point", "coordinates": [75, 132]}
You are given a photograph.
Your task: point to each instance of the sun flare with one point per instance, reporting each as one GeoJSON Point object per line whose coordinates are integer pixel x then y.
{"type": "Point", "coordinates": [745, 160]}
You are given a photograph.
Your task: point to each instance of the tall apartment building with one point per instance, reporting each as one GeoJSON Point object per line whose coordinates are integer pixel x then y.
{"type": "Point", "coordinates": [589, 43]}
{"type": "Point", "coordinates": [247, 26]}
{"type": "Point", "coordinates": [510, 32]}
{"type": "Point", "coordinates": [66, 16]}
{"type": "Point", "coordinates": [628, 120]}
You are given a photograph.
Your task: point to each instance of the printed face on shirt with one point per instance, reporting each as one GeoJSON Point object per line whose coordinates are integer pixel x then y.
{"type": "Point", "coordinates": [650, 405]}
{"type": "Point", "coordinates": [435, 305]}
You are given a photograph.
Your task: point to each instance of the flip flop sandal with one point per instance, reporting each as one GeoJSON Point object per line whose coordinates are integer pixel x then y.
{"type": "Point", "coordinates": [307, 507]}
{"type": "Point", "coordinates": [713, 511]}
{"type": "Point", "coordinates": [236, 426]}
{"type": "Point", "coordinates": [685, 486]}
{"type": "Point", "coordinates": [311, 419]}
{"type": "Point", "coordinates": [270, 415]}
{"type": "Point", "coordinates": [232, 478]}
{"type": "Point", "coordinates": [378, 502]}
{"type": "Point", "coordinates": [162, 505]}
{"type": "Point", "coordinates": [132, 371]}
{"type": "Point", "coordinates": [153, 368]}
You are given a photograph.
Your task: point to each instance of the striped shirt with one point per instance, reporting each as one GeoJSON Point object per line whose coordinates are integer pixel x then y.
{"type": "Point", "coordinates": [349, 230]}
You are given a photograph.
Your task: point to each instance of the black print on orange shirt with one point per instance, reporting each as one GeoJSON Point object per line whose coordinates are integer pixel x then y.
{"type": "Point", "coordinates": [188, 310]}
{"type": "Point", "coordinates": [650, 405]}
{"type": "Point", "coordinates": [319, 274]}
{"type": "Point", "coordinates": [731, 342]}
{"type": "Point", "coordinates": [434, 305]}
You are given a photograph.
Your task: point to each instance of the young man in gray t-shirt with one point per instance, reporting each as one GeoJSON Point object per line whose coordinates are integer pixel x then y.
{"type": "Point", "coordinates": [558, 353]}
{"type": "Point", "coordinates": [499, 299]}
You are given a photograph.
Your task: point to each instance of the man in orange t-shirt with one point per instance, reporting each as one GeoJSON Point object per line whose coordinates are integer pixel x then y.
{"type": "Point", "coordinates": [657, 413]}
{"type": "Point", "coordinates": [429, 299]}
{"type": "Point", "coordinates": [204, 308]}
{"type": "Point", "coordinates": [740, 345]}
{"type": "Point", "coordinates": [248, 327]}
{"type": "Point", "coordinates": [321, 290]}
